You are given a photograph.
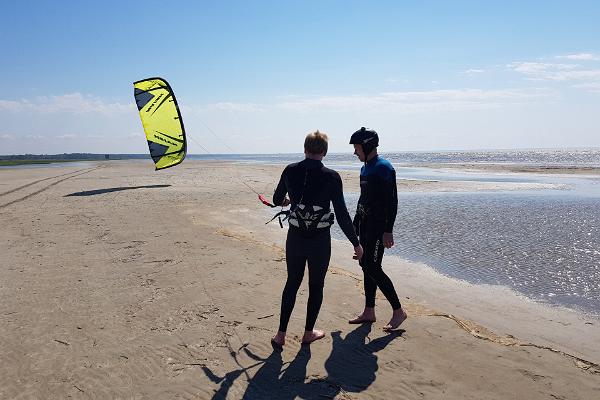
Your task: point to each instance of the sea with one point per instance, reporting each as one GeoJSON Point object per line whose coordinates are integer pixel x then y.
{"type": "Point", "coordinates": [541, 243]}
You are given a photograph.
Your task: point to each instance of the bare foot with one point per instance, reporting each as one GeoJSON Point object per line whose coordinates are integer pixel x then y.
{"type": "Point", "coordinates": [311, 336]}
{"type": "Point", "coordinates": [367, 316]}
{"type": "Point", "coordinates": [398, 318]}
{"type": "Point", "coordinates": [361, 319]}
{"type": "Point", "coordinates": [278, 340]}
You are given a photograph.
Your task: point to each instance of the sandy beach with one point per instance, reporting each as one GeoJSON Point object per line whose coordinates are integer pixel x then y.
{"type": "Point", "coordinates": [119, 282]}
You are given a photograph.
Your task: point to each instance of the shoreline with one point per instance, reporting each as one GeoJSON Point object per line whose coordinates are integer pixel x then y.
{"type": "Point", "coordinates": [499, 309]}
{"type": "Point", "coordinates": [513, 168]}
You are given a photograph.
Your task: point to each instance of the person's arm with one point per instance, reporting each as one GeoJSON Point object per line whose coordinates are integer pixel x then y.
{"type": "Point", "coordinates": [356, 223]}
{"type": "Point", "coordinates": [280, 191]}
{"type": "Point", "coordinates": [339, 205]}
{"type": "Point", "coordinates": [390, 193]}
{"type": "Point", "coordinates": [391, 201]}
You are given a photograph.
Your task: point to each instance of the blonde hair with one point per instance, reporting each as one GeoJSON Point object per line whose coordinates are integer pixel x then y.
{"type": "Point", "coordinates": [316, 143]}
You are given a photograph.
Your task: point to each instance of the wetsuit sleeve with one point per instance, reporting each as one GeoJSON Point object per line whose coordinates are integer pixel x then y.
{"type": "Point", "coordinates": [339, 205]}
{"type": "Point", "coordinates": [355, 223]}
{"type": "Point", "coordinates": [391, 201]}
{"type": "Point", "coordinates": [281, 190]}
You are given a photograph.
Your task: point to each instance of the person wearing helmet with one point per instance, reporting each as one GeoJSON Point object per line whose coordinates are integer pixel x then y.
{"type": "Point", "coordinates": [374, 224]}
{"type": "Point", "coordinates": [312, 188]}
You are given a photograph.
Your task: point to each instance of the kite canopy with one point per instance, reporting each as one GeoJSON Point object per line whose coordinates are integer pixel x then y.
{"type": "Point", "coordinates": [162, 121]}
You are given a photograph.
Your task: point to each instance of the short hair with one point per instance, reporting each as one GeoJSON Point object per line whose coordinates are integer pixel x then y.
{"type": "Point", "coordinates": [316, 143]}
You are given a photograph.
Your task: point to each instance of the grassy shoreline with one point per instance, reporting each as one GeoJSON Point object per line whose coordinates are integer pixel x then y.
{"type": "Point", "coordinates": [7, 163]}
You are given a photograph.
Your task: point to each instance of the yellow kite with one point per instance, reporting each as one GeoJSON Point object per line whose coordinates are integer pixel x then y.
{"type": "Point", "coordinates": [162, 121]}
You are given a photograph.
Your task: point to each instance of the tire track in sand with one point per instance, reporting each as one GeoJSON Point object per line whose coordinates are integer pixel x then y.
{"type": "Point", "coordinates": [85, 171]}
{"type": "Point", "coordinates": [38, 181]}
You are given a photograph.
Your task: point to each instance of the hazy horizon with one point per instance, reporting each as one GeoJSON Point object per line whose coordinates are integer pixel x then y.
{"type": "Point", "coordinates": [350, 151]}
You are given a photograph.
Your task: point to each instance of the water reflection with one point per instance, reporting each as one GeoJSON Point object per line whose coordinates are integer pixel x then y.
{"type": "Point", "coordinates": [542, 243]}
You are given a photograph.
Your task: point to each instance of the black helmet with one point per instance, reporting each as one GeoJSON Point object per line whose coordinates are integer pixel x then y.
{"type": "Point", "coordinates": [367, 138]}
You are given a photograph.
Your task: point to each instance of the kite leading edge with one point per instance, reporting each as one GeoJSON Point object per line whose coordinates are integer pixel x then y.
{"type": "Point", "coordinates": [162, 121]}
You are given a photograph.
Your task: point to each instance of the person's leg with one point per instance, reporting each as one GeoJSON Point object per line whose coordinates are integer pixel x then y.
{"type": "Point", "coordinates": [318, 262]}
{"type": "Point", "coordinates": [372, 267]}
{"type": "Point", "coordinates": [369, 285]}
{"type": "Point", "coordinates": [296, 262]}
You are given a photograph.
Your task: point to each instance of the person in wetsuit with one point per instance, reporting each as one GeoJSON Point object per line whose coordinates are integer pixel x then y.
{"type": "Point", "coordinates": [374, 224]}
{"type": "Point", "coordinates": [311, 188]}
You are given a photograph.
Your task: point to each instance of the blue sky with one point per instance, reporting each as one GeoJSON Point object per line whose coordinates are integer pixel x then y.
{"type": "Point", "coordinates": [428, 75]}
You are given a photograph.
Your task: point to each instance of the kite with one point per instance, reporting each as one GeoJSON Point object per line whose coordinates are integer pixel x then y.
{"type": "Point", "coordinates": [162, 121]}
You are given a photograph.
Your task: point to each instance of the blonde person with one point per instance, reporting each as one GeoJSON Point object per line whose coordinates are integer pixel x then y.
{"type": "Point", "coordinates": [311, 188]}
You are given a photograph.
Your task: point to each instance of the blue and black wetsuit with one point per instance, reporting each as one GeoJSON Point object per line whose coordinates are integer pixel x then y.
{"type": "Point", "coordinates": [311, 184]}
{"type": "Point", "coordinates": [376, 214]}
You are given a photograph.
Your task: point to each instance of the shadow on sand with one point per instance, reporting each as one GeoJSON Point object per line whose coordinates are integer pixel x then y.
{"type": "Point", "coordinates": [115, 189]}
{"type": "Point", "coordinates": [350, 367]}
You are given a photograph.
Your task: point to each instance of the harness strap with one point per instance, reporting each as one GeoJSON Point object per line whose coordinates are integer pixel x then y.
{"type": "Point", "coordinates": [278, 215]}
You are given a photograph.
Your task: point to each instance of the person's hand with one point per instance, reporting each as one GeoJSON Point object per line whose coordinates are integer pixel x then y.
{"type": "Point", "coordinates": [358, 252]}
{"type": "Point", "coordinates": [388, 239]}
{"type": "Point", "coordinates": [286, 202]}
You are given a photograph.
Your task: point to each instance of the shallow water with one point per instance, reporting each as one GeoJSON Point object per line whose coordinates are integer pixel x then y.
{"type": "Point", "coordinates": [544, 244]}
{"type": "Point", "coordinates": [546, 247]}
{"type": "Point", "coordinates": [538, 157]}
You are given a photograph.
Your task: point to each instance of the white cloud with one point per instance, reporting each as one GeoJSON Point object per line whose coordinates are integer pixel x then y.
{"type": "Point", "coordinates": [73, 103]}
{"type": "Point", "coordinates": [234, 107]}
{"type": "Point", "coordinates": [6, 136]}
{"type": "Point", "coordinates": [593, 87]}
{"type": "Point", "coordinates": [473, 71]}
{"type": "Point", "coordinates": [537, 68]}
{"type": "Point", "coordinates": [67, 136]}
{"type": "Point", "coordinates": [415, 101]}
{"type": "Point", "coordinates": [555, 72]}
{"type": "Point", "coordinates": [581, 57]}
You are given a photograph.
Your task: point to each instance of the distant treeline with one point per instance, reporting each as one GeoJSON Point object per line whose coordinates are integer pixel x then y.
{"type": "Point", "coordinates": [71, 156]}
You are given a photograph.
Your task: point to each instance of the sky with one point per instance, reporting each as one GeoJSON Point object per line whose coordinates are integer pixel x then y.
{"type": "Point", "coordinates": [256, 77]}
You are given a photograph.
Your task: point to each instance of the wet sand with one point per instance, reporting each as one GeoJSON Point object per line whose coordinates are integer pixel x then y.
{"type": "Point", "coordinates": [121, 282]}
{"type": "Point", "coordinates": [516, 168]}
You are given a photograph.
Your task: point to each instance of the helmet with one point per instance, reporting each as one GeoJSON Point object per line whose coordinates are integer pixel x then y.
{"type": "Point", "coordinates": [367, 138]}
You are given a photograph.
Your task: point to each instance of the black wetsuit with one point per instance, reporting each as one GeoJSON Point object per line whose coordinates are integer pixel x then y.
{"type": "Point", "coordinates": [376, 214]}
{"type": "Point", "coordinates": [310, 183]}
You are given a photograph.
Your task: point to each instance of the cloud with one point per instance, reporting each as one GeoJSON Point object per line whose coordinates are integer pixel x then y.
{"type": "Point", "coordinates": [593, 87]}
{"type": "Point", "coordinates": [234, 107]}
{"type": "Point", "coordinates": [537, 69]}
{"type": "Point", "coordinates": [67, 136]}
{"type": "Point", "coordinates": [8, 105]}
{"type": "Point", "coordinates": [73, 103]}
{"type": "Point", "coordinates": [473, 71]}
{"type": "Point", "coordinates": [20, 136]}
{"type": "Point", "coordinates": [415, 101]}
{"type": "Point", "coordinates": [581, 57]}
{"type": "Point", "coordinates": [556, 72]}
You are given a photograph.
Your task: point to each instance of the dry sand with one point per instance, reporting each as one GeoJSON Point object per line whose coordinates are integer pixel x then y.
{"type": "Point", "coordinates": [120, 282]}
